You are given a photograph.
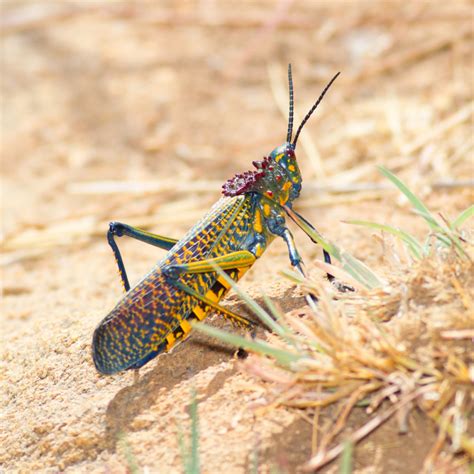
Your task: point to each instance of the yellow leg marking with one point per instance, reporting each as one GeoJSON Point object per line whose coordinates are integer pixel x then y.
{"type": "Point", "coordinates": [259, 250]}
{"type": "Point", "coordinates": [185, 326]}
{"type": "Point", "coordinates": [199, 312]}
{"type": "Point", "coordinates": [235, 318]}
{"type": "Point", "coordinates": [170, 339]}
{"type": "Point", "coordinates": [240, 272]}
{"type": "Point", "coordinates": [223, 282]}
{"type": "Point", "coordinates": [240, 258]}
{"type": "Point", "coordinates": [213, 296]}
{"type": "Point", "coordinates": [211, 300]}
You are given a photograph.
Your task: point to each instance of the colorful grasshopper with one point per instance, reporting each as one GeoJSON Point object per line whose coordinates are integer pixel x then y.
{"type": "Point", "coordinates": [154, 315]}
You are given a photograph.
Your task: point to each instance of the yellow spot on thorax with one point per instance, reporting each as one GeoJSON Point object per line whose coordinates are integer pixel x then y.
{"type": "Point", "coordinates": [292, 168]}
{"type": "Point", "coordinates": [267, 210]}
{"type": "Point", "coordinates": [257, 225]}
{"type": "Point", "coordinates": [285, 193]}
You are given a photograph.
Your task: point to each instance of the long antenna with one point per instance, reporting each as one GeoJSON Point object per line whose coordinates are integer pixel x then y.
{"type": "Point", "coordinates": [290, 115]}
{"type": "Point", "coordinates": [313, 108]}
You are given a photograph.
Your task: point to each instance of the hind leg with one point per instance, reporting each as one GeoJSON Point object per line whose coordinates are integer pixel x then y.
{"type": "Point", "coordinates": [117, 229]}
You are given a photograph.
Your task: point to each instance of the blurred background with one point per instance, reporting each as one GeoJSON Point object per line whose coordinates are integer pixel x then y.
{"type": "Point", "coordinates": [139, 111]}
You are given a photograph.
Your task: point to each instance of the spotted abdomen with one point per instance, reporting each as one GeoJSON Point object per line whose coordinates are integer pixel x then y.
{"type": "Point", "coordinates": [154, 315]}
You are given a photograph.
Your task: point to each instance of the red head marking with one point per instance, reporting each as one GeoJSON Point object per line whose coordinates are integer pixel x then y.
{"type": "Point", "coordinates": [242, 183]}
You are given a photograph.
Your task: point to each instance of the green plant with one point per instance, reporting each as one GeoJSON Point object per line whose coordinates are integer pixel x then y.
{"type": "Point", "coordinates": [190, 452]}
{"type": "Point", "coordinates": [446, 233]}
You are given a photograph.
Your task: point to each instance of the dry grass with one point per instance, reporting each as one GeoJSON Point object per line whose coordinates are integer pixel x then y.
{"type": "Point", "coordinates": [420, 356]}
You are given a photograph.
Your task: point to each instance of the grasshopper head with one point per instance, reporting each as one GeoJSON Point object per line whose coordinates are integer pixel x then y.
{"type": "Point", "coordinates": [277, 176]}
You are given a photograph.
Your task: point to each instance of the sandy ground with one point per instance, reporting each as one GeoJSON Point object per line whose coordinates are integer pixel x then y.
{"type": "Point", "coordinates": [138, 112]}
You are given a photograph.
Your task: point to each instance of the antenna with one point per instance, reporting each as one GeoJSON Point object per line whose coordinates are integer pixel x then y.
{"type": "Point", "coordinates": [313, 108]}
{"type": "Point", "coordinates": [290, 115]}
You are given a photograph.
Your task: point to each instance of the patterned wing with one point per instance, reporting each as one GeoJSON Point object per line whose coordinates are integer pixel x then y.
{"type": "Point", "coordinates": [153, 315]}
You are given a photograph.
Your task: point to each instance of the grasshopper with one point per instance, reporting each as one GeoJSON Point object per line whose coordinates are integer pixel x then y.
{"type": "Point", "coordinates": [184, 286]}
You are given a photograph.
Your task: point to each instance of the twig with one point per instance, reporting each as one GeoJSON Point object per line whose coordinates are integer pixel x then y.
{"type": "Point", "coordinates": [315, 431]}
{"type": "Point", "coordinates": [353, 399]}
{"type": "Point", "coordinates": [458, 334]}
{"type": "Point", "coordinates": [323, 458]}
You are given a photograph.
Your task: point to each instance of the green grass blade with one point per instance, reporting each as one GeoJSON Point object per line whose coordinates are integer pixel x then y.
{"type": "Point", "coordinates": [194, 460]}
{"type": "Point", "coordinates": [463, 217]}
{"type": "Point", "coordinates": [252, 304]}
{"type": "Point", "coordinates": [453, 239]}
{"type": "Point", "coordinates": [346, 458]}
{"type": "Point", "coordinates": [415, 247]}
{"type": "Point", "coordinates": [132, 463]}
{"type": "Point", "coordinates": [444, 235]}
{"type": "Point", "coordinates": [351, 265]}
{"type": "Point", "coordinates": [254, 460]}
{"type": "Point", "coordinates": [281, 356]}
{"type": "Point", "coordinates": [183, 450]}
{"type": "Point", "coordinates": [292, 276]}
{"type": "Point", "coordinates": [291, 337]}
{"type": "Point", "coordinates": [360, 271]}
{"type": "Point", "coordinates": [414, 200]}
{"type": "Point", "coordinates": [190, 454]}
{"type": "Point", "coordinates": [286, 333]}
{"type": "Point", "coordinates": [443, 239]}
{"type": "Point", "coordinates": [355, 268]}
{"type": "Point", "coordinates": [427, 245]}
